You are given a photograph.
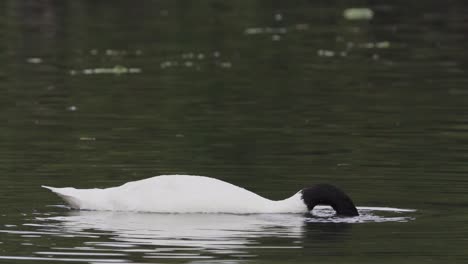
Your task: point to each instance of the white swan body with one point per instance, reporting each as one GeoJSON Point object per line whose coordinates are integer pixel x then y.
{"type": "Point", "coordinates": [178, 194]}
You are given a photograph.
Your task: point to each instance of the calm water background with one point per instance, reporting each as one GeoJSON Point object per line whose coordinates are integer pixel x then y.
{"type": "Point", "coordinates": [269, 95]}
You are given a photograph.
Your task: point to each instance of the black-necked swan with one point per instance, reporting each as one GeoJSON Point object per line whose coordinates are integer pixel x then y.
{"type": "Point", "coordinates": [199, 194]}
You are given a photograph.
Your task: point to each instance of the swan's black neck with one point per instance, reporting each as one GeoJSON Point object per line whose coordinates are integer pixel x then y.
{"type": "Point", "coordinates": [326, 194]}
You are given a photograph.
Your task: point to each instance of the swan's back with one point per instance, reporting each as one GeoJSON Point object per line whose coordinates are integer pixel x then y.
{"type": "Point", "coordinates": [175, 193]}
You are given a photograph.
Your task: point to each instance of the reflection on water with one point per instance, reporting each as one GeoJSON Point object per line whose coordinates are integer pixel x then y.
{"type": "Point", "coordinates": [117, 236]}
{"type": "Point", "coordinates": [219, 231]}
{"type": "Point", "coordinates": [120, 236]}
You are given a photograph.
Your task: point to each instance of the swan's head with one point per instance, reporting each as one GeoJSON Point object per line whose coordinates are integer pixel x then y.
{"type": "Point", "coordinates": [326, 194]}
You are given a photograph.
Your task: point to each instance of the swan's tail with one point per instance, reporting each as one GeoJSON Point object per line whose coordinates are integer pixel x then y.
{"type": "Point", "coordinates": [67, 194]}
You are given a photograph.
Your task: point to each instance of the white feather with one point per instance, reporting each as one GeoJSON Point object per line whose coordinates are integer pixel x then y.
{"type": "Point", "coordinates": [178, 194]}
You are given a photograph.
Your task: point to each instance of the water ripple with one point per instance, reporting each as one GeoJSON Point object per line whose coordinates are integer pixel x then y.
{"type": "Point", "coordinates": [110, 237]}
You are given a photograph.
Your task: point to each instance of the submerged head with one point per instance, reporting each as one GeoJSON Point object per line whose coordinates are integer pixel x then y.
{"type": "Point", "coordinates": [326, 194]}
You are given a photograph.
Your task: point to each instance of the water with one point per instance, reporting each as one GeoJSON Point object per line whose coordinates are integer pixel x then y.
{"type": "Point", "coordinates": [268, 95]}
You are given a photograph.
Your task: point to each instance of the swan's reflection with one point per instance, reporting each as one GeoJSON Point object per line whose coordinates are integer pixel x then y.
{"type": "Point", "coordinates": [219, 231]}
{"type": "Point", "coordinates": [192, 236]}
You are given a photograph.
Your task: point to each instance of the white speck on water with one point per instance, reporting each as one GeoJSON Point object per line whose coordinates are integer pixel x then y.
{"type": "Point", "coordinates": [343, 164]}
{"type": "Point", "coordinates": [276, 37]}
{"type": "Point", "coordinates": [72, 108]}
{"type": "Point", "coordinates": [216, 54]}
{"type": "Point", "coordinates": [110, 52]}
{"type": "Point", "coordinates": [378, 45]}
{"type": "Point", "coordinates": [34, 60]}
{"type": "Point", "coordinates": [188, 64]}
{"type": "Point", "coordinates": [94, 52]}
{"type": "Point", "coordinates": [134, 70]}
{"type": "Point", "coordinates": [225, 64]}
{"type": "Point", "coordinates": [358, 13]}
{"type": "Point", "coordinates": [88, 71]}
{"type": "Point", "coordinates": [382, 45]}
{"type": "Point", "coordinates": [118, 69]}
{"type": "Point", "coordinates": [278, 17]}
{"type": "Point", "coordinates": [325, 53]}
{"type": "Point", "coordinates": [267, 30]}
{"type": "Point", "coordinates": [87, 138]}
{"type": "Point", "coordinates": [189, 55]}
{"type": "Point", "coordinates": [253, 31]}
{"type": "Point", "coordinates": [165, 64]}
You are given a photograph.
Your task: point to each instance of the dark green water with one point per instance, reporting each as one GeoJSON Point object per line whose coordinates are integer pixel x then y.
{"type": "Point", "coordinates": [268, 95]}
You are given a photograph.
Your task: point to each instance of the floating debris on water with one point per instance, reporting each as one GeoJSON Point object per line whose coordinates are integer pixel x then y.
{"type": "Point", "coordinates": [189, 55]}
{"type": "Point", "coordinates": [375, 45]}
{"type": "Point", "coordinates": [225, 64]}
{"type": "Point", "coordinates": [115, 52]}
{"type": "Point", "coordinates": [196, 60]}
{"type": "Point", "coordinates": [349, 48]}
{"type": "Point", "coordinates": [72, 108]}
{"type": "Point", "coordinates": [325, 53]}
{"type": "Point", "coordinates": [276, 31]}
{"type": "Point", "coordinates": [276, 37]}
{"type": "Point", "coordinates": [87, 138]}
{"type": "Point", "coordinates": [358, 13]}
{"type": "Point", "coordinates": [167, 64]}
{"type": "Point", "coordinates": [343, 164]}
{"type": "Point", "coordinates": [265, 30]}
{"type": "Point", "coordinates": [382, 45]}
{"type": "Point", "coordinates": [110, 52]}
{"type": "Point", "coordinates": [278, 17]}
{"type": "Point", "coordinates": [34, 60]}
{"type": "Point", "coordinates": [116, 70]}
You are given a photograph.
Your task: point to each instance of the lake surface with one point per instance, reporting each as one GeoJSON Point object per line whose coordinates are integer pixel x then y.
{"type": "Point", "coordinates": [272, 96]}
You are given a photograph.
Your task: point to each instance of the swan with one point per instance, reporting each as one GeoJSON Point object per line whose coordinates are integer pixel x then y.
{"type": "Point", "coordinates": [200, 194]}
